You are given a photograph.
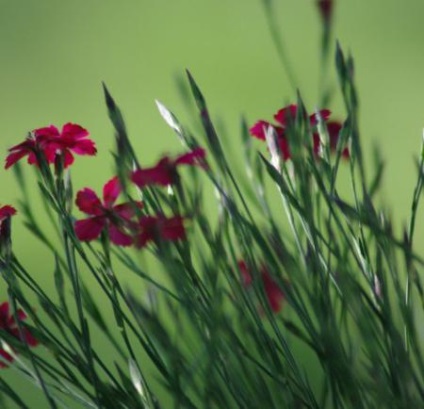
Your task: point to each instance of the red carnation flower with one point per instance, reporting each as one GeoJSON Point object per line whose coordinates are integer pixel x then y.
{"type": "Point", "coordinates": [274, 294]}
{"type": "Point", "coordinates": [9, 325]}
{"type": "Point", "coordinates": [117, 219]}
{"type": "Point", "coordinates": [284, 117]}
{"type": "Point", "coordinates": [159, 228]}
{"type": "Point", "coordinates": [165, 171]}
{"type": "Point", "coordinates": [72, 139]}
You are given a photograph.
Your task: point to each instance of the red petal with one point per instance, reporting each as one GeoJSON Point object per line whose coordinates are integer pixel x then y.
{"type": "Point", "coordinates": [69, 158]}
{"type": "Point", "coordinates": [4, 314]}
{"type": "Point", "coordinates": [7, 211]}
{"type": "Point", "coordinates": [334, 129]}
{"type": "Point", "coordinates": [172, 229]}
{"type": "Point", "coordinates": [85, 147]}
{"type": "Point", "coordinates": [89, 229]}
{"type": "Point", "coordinates": [46, 132]}
{"type": "Point", "coordinates": [21, 314]}
{"type": "Point", "coordinates": [324, 113]}
{"type": "Point", "coordinates": [147, 224]}
{"type": "Point", "coordinates": [284, 148]}
{"type": "Point", "coordinates": [20, 150]}
{"type": "Point", "coordinates": [118, 237]}
{"type": "Point", "coordinates": [195, 157]}
{"type": "Point", "coordinates": [127, 210]}
{"type": "Point", "coordinates": [73, 131]}
{"type": "Point", "coordinates": [316, 143]}
{"type": "Point", "coordinates": [346, 153]}
{"type": "Point", "coordinates": [286, 115]}
{"type": "Point", "coordinates": [258, 130]}
{"type": "Point", "coordinates": [111, 191]}
{"type": "Point", "coordinates": [274, 294]}
{"type": "Point", "coordinates": [13, 157]}
{"type": "Point", "coordinates": [29, 338]}
{"type": "Point", "coordinates": [247, 278]}
{"type": "Point", "coordinates": [161, 174]}
{"type": "Point", "coordinates": [88, 202]}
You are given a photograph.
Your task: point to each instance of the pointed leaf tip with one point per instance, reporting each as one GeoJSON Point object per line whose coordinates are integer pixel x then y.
{"type": "Point", "coordinates": [108, 97]}
{"type": "Point", "coordinates": [198, 96]}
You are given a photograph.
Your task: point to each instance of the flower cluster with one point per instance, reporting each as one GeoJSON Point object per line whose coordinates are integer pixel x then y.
{"type": "Point", "coordinates": [50, 142]}
{"type": "Point", "coordinates": [285, 117]}
{"type": "Point", "coordinates": [8, 324]}
{"type": "Point", "coordinates": [124, 223]}
{"type": "Point", "coordinates": [275, 296]}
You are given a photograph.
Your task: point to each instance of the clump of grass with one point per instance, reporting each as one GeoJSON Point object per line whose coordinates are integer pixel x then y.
{"type": "Point", "coordinates": [290, 296]}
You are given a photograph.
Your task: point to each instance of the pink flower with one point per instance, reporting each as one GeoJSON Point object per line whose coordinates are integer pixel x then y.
{"type": "Point", "coordinates": [284, 117]}
{"type": "Point", "coordinates": [117, 219]}
{"type": "Point", "coordinates": [72, 139]}
{"type": "Point", "coordinates": [159, 228]}
{"type": "Point", "coordinates": [9, 325]}
{"type": "Point", "coordinates": [274, 294]}
{"type": "Point", "coordinates": [165, 171]}
{"type": "Point", "coordinates": [334, 129]}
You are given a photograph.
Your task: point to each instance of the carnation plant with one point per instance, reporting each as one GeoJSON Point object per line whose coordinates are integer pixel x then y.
{"type": "Point", "coordinates": [292, 292]}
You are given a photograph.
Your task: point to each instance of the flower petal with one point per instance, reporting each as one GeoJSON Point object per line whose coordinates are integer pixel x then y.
{"type": "Point", "coordinates": [324, 113]}
{"type": "Point", "coordinates": [127, 210]}
{"type": "Point", "coordinates": [4, 314]}
{"type": "Point", "coordinates": [111, 191]}
{"type": "Point", "coordinates": [47, 132]}
{"type": "Point", "coordinates": [29, 338]}
{"type": "Point", "coordinates": [118, 237]}
{"type": "Point", "coordinates": [88, 202]}
{"type": "Point", "coordinates": [194, 157]}
{"type": "Point", "coordinates": [258, 130]}
{"type": "Point", "coordinates": [84, 147]}
{"type": "Point", "coordinates": [162, 174]}
{"type": "Point", "coordinates": [90, 228]}
{"type": "Point", "coordinates": [286, 115]}
{"type": "Point", "coordinates": [246, 277]}
{"type": "Point", "coordinates": [273, 292]}
{"type": "Point", "coordinates": [172, 229]}
{"type": "Point", "coordinates": [7, 211]}
{"type": "Point", "coordinates": [284, 148]}
{"type": "Point", "coordinates": [20, 150]}
{"type": "Point", "coordinates": [74, 131]}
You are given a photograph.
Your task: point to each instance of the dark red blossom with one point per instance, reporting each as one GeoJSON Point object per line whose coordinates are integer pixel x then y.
{"type": "Point", "coordinates": [284, 117]}
{"type": "Point", "coordinates": [49, 141]}
{"type": "Point", "coordinates": [159, 228]}
{"type": "Point", "coordinates": [165, 171]}
{"type": "Point", "coordinates": [8, 324]}
{"type": "Point", "coordinates": [116, 219]}
{"type": "Point", "coordinates": [274, 294]}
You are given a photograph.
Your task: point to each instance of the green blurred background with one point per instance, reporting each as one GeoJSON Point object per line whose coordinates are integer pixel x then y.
{"type": "Point", "coordinates": [54, 56]}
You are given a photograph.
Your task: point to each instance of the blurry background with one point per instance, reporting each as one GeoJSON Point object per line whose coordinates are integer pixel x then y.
{"type": "Point", "coordinates": [54, 56]}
